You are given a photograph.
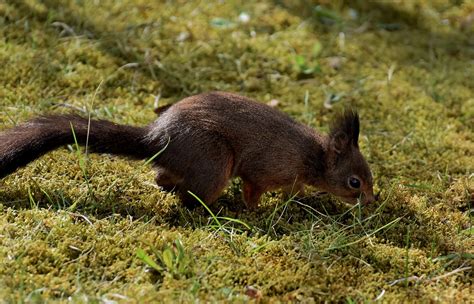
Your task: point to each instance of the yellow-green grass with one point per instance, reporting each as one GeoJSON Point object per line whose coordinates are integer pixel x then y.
{"type": "Point", "coordinates": [97, 229]}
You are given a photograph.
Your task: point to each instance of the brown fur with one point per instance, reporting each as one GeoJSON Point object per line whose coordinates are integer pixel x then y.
{"type": "Point", "coordinates": [209, 139]}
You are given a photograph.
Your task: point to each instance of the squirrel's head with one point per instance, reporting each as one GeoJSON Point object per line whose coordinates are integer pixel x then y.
{"type": "Point", "coordinates": [347, 173]}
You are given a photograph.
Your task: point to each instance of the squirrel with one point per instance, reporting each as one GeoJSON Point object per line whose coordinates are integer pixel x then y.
{"type": "Point", "coordinates": [206, 140]}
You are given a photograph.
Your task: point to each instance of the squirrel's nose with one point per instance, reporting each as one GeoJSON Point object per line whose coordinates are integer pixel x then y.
{"type": "Point", "coordinates": [369, 198]}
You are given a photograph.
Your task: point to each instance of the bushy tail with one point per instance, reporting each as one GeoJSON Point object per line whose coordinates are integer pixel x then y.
{"type": "Point", "coordinates": [28, 141]}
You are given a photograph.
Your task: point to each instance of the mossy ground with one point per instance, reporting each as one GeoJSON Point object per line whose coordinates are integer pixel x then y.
{"type": "Point", "coordinates": [68, 234]}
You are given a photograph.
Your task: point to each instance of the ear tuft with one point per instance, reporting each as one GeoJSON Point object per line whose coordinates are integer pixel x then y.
{"type": "Point", "coordinates": [347, 123]}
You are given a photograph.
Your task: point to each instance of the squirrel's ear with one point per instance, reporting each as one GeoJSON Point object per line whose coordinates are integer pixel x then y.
{"type": "Point", "coordinates": [345, 131]}
{"type": "Point", "coordinates": [339, 142]}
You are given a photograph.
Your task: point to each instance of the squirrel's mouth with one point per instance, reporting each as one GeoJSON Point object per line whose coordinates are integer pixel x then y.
{"type": "Point", "coordinates": [349, 199]}
{"type": "Point", "coordinates": [363, 199]}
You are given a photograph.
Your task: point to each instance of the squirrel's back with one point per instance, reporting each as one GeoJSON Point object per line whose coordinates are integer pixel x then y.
{"type": "Point", "coordinates": [243, 122]}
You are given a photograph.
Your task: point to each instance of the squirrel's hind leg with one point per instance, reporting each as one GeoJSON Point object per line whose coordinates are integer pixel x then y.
{"type": "Point", "coordinates": [167, 179]}
{"type": "Point", "coordinates": [206, 181]}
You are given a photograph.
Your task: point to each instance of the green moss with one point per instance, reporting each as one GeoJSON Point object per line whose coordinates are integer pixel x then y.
{"type": "Point", "coordinates": [405, 67]}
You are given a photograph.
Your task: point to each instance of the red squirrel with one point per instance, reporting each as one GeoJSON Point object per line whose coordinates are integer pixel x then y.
{"type": "Point", "coordinates": [207, 140]}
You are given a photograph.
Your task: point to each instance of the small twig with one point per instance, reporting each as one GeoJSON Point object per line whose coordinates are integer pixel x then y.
{"type": "Point", "coordinates": [390, 72]}
{"type": "Point", "coordinates": [79, 257]}
{"type": "Point", "coordinates": [66, 28]}
{"type": "Point", "coordinates": [81, 216]}
{"type": "Point", "coordinates": [407, 279]}
{"type": "Point", "coordinates": [421, 279]}
{"type": "Point", "coordinates": [380, 295]}
{"type": "Point", "coordinates": [449, 273]}
{"type": "Point", "coordinates": [129, 65]}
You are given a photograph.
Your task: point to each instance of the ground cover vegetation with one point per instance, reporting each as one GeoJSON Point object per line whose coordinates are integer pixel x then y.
{"type": "Point", "coordinates": [93, 229]}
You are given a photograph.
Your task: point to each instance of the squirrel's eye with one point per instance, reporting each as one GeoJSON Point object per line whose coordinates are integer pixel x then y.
{"type": "Point", "coordinates": [354, 182]}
